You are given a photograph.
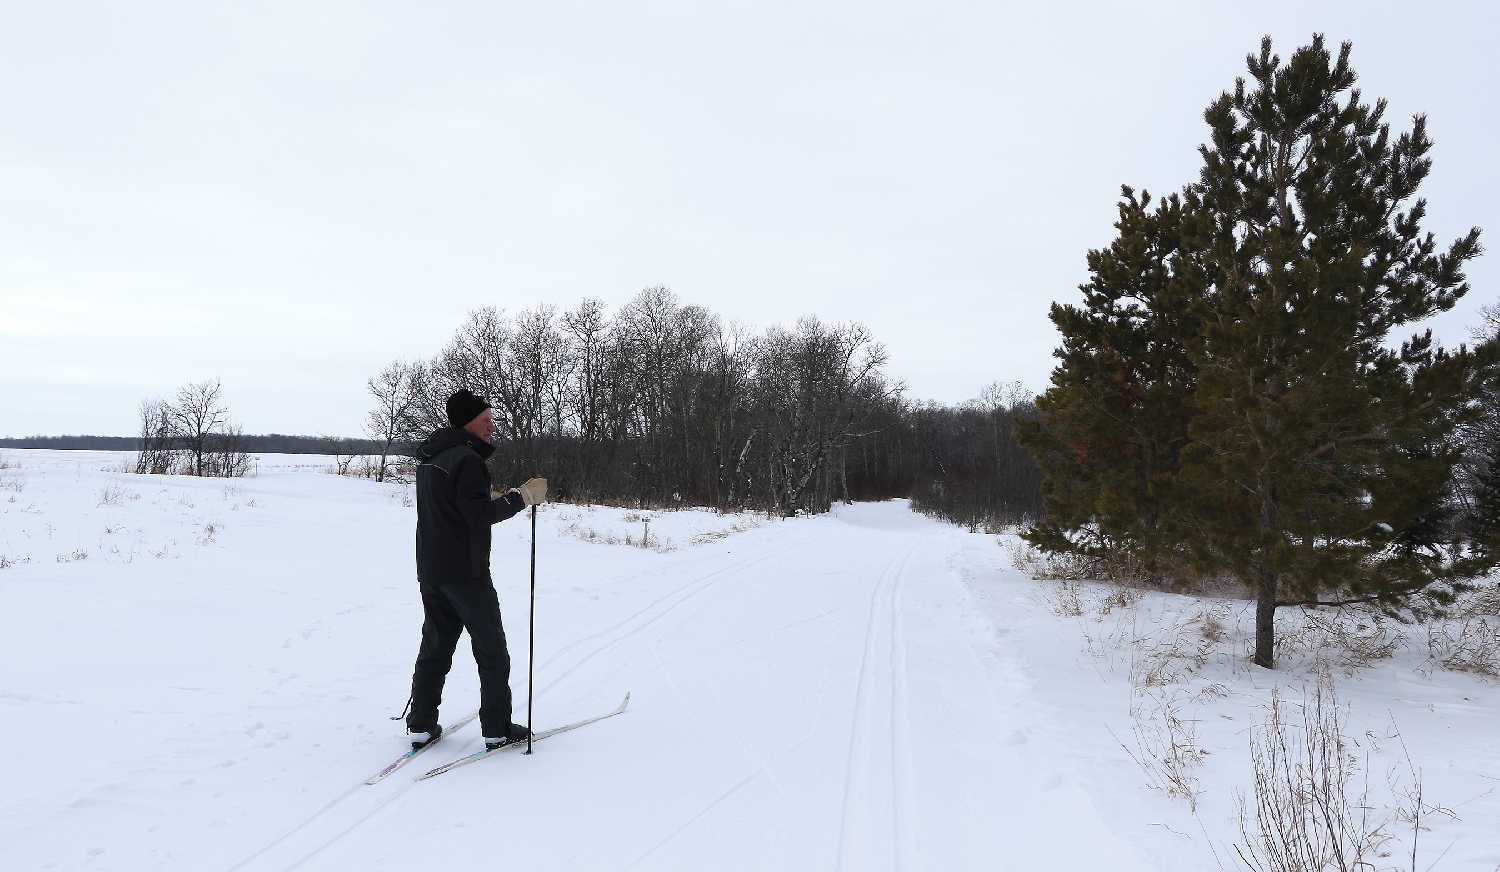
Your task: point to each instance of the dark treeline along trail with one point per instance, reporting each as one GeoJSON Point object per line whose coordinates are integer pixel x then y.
{"type": "Point", "coordinates": [662, 404]}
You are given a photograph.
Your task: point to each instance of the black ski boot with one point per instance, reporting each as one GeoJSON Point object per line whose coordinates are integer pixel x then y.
{"type": "Point", "coordinates": [421, 739]}
{"type": "Point", "coordinates": [513, 733]}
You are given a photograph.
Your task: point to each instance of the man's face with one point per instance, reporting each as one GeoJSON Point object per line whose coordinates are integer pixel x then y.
{"type": "Point", "coordinates": [482, 427]}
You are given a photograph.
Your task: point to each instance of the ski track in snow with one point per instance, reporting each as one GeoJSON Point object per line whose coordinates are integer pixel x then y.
{"type": "Point", "coordinates": [901, 761]}
{"type": "Point", "coordinates": [866, 794]}
{"type": "Point", "coordinates": [672, 600]}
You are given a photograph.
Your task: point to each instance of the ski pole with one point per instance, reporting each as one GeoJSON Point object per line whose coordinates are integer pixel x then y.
{"type": "Point", "coordinates": [531, 635]}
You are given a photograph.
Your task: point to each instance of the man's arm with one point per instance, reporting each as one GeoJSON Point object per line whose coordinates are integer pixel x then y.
{"type": "Point", "coordinates": [474, 497]}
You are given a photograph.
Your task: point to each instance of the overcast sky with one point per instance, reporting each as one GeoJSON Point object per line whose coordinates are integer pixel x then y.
{"type": "Point", "coordinates": [289, 195]}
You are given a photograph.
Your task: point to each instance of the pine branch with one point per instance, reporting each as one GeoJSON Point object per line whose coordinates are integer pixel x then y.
{"type": "Point", "coordinates": [1395, 592]}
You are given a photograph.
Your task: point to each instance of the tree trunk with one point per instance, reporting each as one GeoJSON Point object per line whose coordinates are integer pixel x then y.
{"type": "Point", "coordinates": [1266, 580]}
{"type": "Point", "coordinates": [739, 468]}
{"type": "Point", "coordinates": [844, 473]}
{"type": "Point", "coordinates": [1265, 622]}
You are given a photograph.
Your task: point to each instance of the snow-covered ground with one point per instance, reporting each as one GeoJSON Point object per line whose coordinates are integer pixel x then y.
{"type": "Point", "coordinates": [198, 675]}
{"type": "Point", "coordinates": [1111, 666]}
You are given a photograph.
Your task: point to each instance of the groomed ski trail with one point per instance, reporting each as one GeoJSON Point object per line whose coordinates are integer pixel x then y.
{"type": "Point", "coordinates": [874, 820]}
{"type": "Point", "coordinates": [809, 695]}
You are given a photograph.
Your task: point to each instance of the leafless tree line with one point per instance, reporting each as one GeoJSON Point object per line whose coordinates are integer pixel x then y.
{"type": "Point", "coordinates": [972, 471]}
{"type": "Point", "coordinates": [191, 435]}
{"type": "Point", "coordinates": [658, 403]}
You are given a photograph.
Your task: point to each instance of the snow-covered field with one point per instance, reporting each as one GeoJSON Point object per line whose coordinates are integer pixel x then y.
{"type": "Point", "coordinates": [198, 675]}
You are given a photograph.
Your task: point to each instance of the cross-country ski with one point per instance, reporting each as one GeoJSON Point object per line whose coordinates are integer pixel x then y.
{"type": "Point", "coordinates": [521, 744]}
{"type": "Point", "coordinates": [412, 754]}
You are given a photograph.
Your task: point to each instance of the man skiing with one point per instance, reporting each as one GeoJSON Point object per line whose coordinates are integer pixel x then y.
{"type": "Point", "coordinates": [455, 507]}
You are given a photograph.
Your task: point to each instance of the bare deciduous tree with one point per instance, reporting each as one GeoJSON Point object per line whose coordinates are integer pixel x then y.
{"type": "Point", "coordinates": [394, 390]}
{"type": "Point", "coordinates": [197, 415]}
{"type": "Point", "coordinates": [158, 454]}
{"type": "Point", "coordinates": [227, 457]}
{"type": "Point", "coordinates": [660, 404]}
{"type": "Point", "coordinates": [192, 435]}
{"type": "Point", "coordinates": [815, 384]}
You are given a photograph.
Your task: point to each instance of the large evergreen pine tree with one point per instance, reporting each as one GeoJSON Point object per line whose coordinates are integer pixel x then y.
{"type": "Point", "coordinates": [1227, 390]}
{"type": "Point", "coordinates": [1320, 460]}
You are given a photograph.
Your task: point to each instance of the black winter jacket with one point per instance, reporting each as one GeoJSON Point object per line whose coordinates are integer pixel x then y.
{"type": "Point", "coordinates": [454, 509]}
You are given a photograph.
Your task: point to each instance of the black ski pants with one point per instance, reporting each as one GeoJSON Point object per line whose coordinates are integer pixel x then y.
{"type": "Point", "coordinates": [447, 610]}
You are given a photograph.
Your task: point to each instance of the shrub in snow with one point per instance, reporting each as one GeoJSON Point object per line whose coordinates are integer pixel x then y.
{"type": "Point", "coordinates": [1166, 745]}
{"type": "Point", "coordinates": [1212, 628]}
{"type": "Point", "coordinates": [1348, 638]}
{"type": "Point", "coordinates": [1065, 600]}
{"type": "Point", "coordinates": [1471, 644]}
{"type": "Point", "coordinates": [1311, 806]}
{"type": "Point", "coordinates": [111, 495]}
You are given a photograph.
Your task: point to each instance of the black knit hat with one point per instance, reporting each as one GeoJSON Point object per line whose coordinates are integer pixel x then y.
{"type": "Point", "coordinates": [464, 407]}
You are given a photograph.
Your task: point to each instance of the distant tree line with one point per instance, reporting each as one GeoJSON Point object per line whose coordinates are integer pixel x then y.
{"type": "Point", "coordinates": [73, 443]}
{"type": "Point", "coordinates": [661, 404]}
{"type": "Point", "coordinates": [268, 443]}
{"type": "Point", "coordinates": [971, 469]}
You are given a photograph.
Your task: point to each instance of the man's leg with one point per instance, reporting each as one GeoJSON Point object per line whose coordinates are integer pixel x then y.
{"type": "Point", "coordinates": [479, 608]}
{"type": "Point", "coordinates": [441, 626]}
